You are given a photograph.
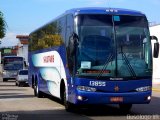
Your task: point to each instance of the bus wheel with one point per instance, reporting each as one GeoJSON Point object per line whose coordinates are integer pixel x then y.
{"type": "Point", "coordinates": [19, 84]}
{"type": "Point", "coordinates": [68, 106]}
{"type": "Point", "coordinates": [125, 108]}
{"type": "Point", "coordinates": [4, 80]}
{"type": "Point", "coordinates": [16, 84]}
{"type": "Point", "coordinates": [37, 93]}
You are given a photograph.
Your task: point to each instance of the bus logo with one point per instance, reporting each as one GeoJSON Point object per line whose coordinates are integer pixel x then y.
{"type": "Point", "coordinates": [116, 88]}
{"type": "Point", "coordinates": [48, 59]}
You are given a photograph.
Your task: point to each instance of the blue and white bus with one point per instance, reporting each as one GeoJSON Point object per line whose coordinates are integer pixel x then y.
{"type": "Point", "coordinates": [11, 65]}
{"type": "Point", "coordinates": [90, 56]}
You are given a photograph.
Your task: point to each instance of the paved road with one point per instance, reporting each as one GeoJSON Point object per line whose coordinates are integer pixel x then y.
{"type": "Point", "coordinates": [19, 103]}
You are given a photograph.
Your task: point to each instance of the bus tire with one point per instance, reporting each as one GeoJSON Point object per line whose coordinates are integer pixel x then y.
{"type": "Point", "coordinates": [16, 84]}
{"type": "Point", "coordinates": [37, 92]}
{"type": "Point", "coordinates": [69, 107]}
{"type": "Point", "coordinates": [19, 84]}
{"type": "Point", "coordinates": [125, 108]}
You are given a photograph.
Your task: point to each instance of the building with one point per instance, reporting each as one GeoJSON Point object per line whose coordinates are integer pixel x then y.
{"type": "Point", "coordinates": [22, 47]}
{"type": "Point", "coordinates": [155, 30]}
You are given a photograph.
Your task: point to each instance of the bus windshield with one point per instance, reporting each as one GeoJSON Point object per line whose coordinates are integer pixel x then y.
{"type": "Point", "coordinates": [113, 46]}
{"type": "Point", "coordinates": [13, 63]}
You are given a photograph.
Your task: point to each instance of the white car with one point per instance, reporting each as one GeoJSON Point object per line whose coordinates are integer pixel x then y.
{"type": "Point", "coordinates": [22, 77]}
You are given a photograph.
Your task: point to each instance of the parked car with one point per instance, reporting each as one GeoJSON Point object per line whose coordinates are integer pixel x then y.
{"type": "Point", "coordinates": [22, 77]}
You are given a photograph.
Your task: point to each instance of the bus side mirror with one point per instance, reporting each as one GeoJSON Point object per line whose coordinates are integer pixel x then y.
{"type": "Point", "coordinates": [156, 50]}
{"type": "Point", "coordinates": [76, 39]}
{"type": "Point", "coordinates": [156, 46]}
{"type": "Point", "coordinates": [73, 43]}
{"type": "Point", "coordinates": [25, 64]}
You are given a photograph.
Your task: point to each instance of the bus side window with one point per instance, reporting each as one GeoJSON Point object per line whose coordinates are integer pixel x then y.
{"type": "Point", "coordinates": [69, 33]}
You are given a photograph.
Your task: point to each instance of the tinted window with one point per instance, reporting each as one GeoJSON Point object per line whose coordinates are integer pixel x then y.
{"type": "Point", "coordinates": [23, 72]}
{"type": "Point", "coordinates": [13, 63]}
{"type": "Point", "coordinates": [51, 35]}
{"type": "Point", "coordinates": [69, 38]}
{"type": "Point", "coordinates": [118, 44]}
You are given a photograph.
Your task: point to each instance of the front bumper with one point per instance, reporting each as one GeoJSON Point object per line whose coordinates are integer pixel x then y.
{"type": "Point", "coordinates": [22, 80]}
{"type": "Point", "coordinates": [105, 98]}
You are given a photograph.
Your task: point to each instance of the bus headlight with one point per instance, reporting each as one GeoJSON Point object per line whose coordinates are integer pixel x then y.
{"type": "Point", "coordinates": [85, 88]}
{"type": "Point", "coordinates": [149, 98]}
{"type": "Point", "coordinates": [4, 72]}
{"type": "Point", "coordinates": [143, 89]}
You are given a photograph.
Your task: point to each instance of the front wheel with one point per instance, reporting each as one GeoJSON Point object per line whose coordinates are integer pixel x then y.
{"type": "Point", "coordinates": [68, 106]}
{"type": "Point", "coordinates": [19, 84]}
{"type": "Point", "coordinates": [16, 83]}
{"type": "Point", "coordinates": [125, 107]}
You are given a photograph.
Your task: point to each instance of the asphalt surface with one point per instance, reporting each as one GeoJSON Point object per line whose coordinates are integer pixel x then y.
{"type": "Point", "coordinates": [19, 103]}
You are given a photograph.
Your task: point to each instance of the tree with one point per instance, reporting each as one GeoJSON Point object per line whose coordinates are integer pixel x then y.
{"type": "Point", "coordinates": [2, 26]}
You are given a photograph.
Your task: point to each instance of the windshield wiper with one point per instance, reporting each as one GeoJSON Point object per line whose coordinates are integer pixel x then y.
{"type": "Point", "coordinates": [131, 70]}
{"type": "Point", "coordinates": [105, 65]}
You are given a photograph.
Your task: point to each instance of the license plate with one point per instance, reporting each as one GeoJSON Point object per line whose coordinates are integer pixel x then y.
{"type": "Point", "coordinates": [116, 99]}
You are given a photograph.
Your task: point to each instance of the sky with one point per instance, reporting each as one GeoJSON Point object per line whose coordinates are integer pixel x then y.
{"type": "Point", "coordinates": [24, 16]}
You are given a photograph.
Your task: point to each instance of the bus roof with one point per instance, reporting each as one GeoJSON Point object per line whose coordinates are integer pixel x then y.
{"type": "Point", "coordinates": [97, 10]}
{"type": "Point", "coordinates": [101, 10]}
{"type": "Point", "coordinates": [12, 57]}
